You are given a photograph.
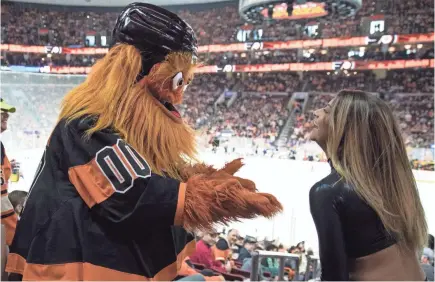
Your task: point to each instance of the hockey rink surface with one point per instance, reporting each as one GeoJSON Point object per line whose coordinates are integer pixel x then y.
{"type": "Point", "coordinates": [289, 180]}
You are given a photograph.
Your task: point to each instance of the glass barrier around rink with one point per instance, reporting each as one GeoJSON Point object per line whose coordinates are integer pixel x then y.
{"type": "Point", "coordinates": [36, 98]}
{"type": "Point", "coordinates": [12, 78]}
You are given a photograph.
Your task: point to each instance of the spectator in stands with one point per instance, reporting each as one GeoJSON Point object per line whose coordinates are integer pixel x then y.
{"type": "Point", "coordinates": [247, 265]}
{"type": "Point", "coordinates": [427, 261]}
{"type": "Point", "coordinates": [431, 242]}
{"type": "Point", "coordinates": [62, 27]}
{"type": "Point", "coordinates": [254, 119]}
{"type": "Point", "coordinates": [204, 255]}
{"type": "Point", "coordinates": [310, 252]}
{"type": "Point", "coordinates": [291, 263]}
{"type": "Point", "coordinates": [248, 248]}
{"type": "Point", "coordinates": [239, 243]}
{"type": "Point", "coordinates": [223, 247]}
{"type": "Point", "coordinates": [17, 199]}
{"type": "Point", "coordinates": [300, 249]}
{"type": "Point", "coordinates": [9, 218]}
{"type": "Point", "coordinates": [271, 264]}
{"type": "Point", "coordinates": [4, 249]}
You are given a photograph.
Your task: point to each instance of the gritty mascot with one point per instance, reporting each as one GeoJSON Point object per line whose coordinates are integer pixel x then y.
{"type": "Point", "coordinates": [119, 191]}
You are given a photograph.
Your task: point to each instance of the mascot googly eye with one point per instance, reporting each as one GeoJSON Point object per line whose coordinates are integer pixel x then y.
{"type": "Point", "coordinates": [177, 81]}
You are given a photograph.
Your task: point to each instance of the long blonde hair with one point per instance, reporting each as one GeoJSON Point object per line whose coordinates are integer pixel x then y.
{"type": "Point", "coordinates": [111, 95]}
{"type": "Point", "coordinates": [366, 148]}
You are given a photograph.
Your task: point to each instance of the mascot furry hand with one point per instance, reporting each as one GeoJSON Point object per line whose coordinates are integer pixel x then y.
{"type": "Point", "coordinates": [113, 195]}
{"type": "Point", "coordinates": [219, 197]}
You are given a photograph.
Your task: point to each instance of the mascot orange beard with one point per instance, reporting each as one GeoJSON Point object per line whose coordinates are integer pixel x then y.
{"type": "Point", "coordinates": [143, 114]}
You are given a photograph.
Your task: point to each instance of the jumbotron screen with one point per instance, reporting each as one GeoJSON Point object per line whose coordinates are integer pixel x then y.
{"type": "Point", "coordinates": [300, 11]}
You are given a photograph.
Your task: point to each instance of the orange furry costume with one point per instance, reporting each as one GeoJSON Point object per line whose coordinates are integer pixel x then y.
{"type": "Point", "coordinates": [116, 196]}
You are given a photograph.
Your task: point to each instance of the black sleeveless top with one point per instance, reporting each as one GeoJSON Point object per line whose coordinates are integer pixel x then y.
{"type": "Point", "coordinates": [347, 226]}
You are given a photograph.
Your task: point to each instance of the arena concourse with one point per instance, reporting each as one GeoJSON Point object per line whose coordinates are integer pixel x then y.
{"type": "Point", "coordinates": [253, 97]}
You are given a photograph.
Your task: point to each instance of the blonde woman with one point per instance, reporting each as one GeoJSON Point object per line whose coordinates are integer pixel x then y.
{"type": "Point", "coordinates": [368, 214]}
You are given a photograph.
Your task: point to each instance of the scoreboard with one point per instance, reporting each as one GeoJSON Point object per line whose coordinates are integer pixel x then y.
{"type": "Point", "coordinates": [257, 10]}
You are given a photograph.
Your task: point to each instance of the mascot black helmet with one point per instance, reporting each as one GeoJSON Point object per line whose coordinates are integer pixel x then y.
{"type": "Point", "coordinates": [155, 32]}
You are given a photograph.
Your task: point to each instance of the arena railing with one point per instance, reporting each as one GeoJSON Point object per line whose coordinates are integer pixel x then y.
{"type": "Point", "coordinates": [283, 257]}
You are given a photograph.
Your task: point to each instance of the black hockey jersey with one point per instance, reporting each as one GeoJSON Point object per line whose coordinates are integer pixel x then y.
{"type": "Point", "coordinates": [95, 211]}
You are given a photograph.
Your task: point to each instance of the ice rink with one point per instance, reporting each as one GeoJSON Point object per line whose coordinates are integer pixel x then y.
{"type": "Point", "coordinates": [290, 181]}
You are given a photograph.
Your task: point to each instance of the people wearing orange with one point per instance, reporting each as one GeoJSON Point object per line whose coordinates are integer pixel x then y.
{"type": "Point", "coordinates": [9, 218]}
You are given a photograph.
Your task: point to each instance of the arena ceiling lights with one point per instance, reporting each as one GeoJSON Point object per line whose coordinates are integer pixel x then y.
{"type": "Point", "coordinates": [116, 3]}
{"type": "Point", "coordinates": [255, 11]}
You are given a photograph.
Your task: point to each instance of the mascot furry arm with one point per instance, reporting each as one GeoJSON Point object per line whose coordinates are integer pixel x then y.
{"type": "Point", "coordinates": [113, 195]}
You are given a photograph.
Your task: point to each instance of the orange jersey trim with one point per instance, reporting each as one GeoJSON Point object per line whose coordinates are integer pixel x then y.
{"type": "Point", "coordinates": [8, 216]}
{"type": "Point", "coordinates": [178, 220]}
{"type": "Point", "coordinates": [5, 172]}
{"type": "Point", "coordinates": [186, 270]}
{"type": "Point", "coordinates": [90, 183]}
{"type": "Point", "coordinates": [10, 223]}
{"type": "Point", "coordinates": [87, 271]}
